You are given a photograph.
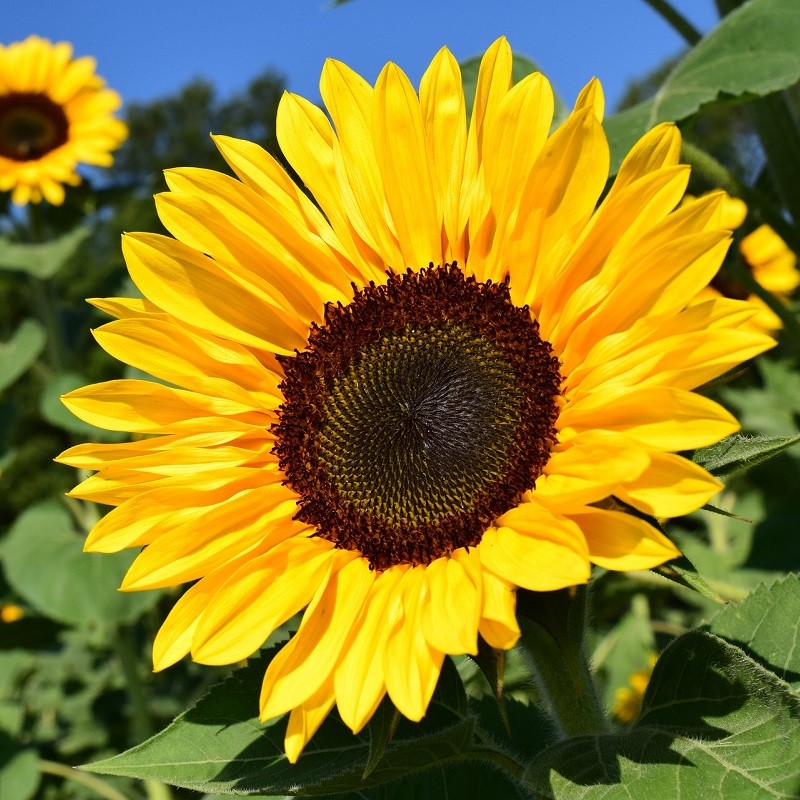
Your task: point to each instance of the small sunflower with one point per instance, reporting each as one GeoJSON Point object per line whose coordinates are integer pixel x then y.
{"type": "Point", "coordinates": [628, 699]}
{"type": "Point", "coordinates": [54, 114]}
{"type": "Point", "coordinates": [394, 407]}
{"type": "Point", "coordinates": [771, 263]}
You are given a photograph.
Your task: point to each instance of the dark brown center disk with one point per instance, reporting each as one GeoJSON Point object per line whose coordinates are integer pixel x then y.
{"type": "Point", "coordinates": [417, 414]}
{"type": "Point", "coordinates": [31, 125]}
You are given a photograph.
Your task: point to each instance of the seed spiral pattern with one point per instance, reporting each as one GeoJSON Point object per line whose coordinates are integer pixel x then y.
{"type": "Point", "coordinates": [417, 414]}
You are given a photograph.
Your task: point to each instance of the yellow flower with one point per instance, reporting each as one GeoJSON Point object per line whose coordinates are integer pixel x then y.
{"type": "Point", "coordinates": [54, 114]}
{"type": "Point", "coordinates": [9, 612]}
{"type": "Point", "coordinates": [397, 407]}
{"type": "Point", "coordinates": [628, 699]}
{"type": "Point", "coordinates": [769, 259]}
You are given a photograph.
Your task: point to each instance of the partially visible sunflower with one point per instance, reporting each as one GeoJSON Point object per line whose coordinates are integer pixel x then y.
{"type": "Point", "coordinates": [628, 699]}
{"type": "Point", "coordinates": [54, 114]}
{"type": "Point", "coordinates": [771, 262]}
{"type": "Point", "coordinates": [396, 407]}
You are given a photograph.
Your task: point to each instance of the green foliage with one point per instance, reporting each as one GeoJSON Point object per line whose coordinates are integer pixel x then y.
{"type": "Point", "coordinates": [44, 562]}
{"type": "Point", "coordinates": [20, 351]}
{"type": "Point", "coordinates": [740, 452]}
{"type": "Point", "coordinates": [714, 724]}
{"type": "Point", "coordinates": [219, 745]}
{"type": "Point", "coordinates": [42, 260]}
{"type": "Point", "coordinates": [19, 770]}
{"type": "Point", "coordinates": [754, 51]}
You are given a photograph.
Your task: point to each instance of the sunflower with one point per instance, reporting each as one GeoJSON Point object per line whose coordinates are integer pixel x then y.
{"type": "Point", "coordinates": [54, 114]}
{"type": "Point", "coordinates": [769, 259]}
{"type": "Point", "coordinates": [628, 699]}
{"type": "Point", "coordinates": [443, 381]}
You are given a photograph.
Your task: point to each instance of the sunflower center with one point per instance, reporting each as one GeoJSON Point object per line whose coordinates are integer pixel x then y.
{"type": "Point", "coordinates": [417, 414]}
{"type": "Point", "coordinates": [31, 125]}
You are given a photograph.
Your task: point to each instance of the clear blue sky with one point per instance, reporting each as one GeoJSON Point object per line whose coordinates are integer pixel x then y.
{"type": "Point", "coordinates": [150, 48]}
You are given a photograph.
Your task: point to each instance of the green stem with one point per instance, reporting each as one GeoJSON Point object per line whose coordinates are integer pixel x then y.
{"type": "Point", "coordinates": [553, 625]}
{"type": "Point", "coordinates": [500, 759]}
{"type": "Point", "coordinates": [142, 724]}
{"type": "Point", "coordinates": [777, 129]}
{"type": "Point", "coordinates": [103, 789]}
{"type": "Point", "coordinates": [43, 298]}
{"type": "Point", "coordinates": [676, 20]}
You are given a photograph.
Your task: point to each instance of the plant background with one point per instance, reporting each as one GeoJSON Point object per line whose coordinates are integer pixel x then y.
{"type": "Point", "coordinates": [75, 679]}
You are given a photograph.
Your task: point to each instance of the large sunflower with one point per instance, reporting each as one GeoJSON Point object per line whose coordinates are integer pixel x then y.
{"type": "Point", "coordinates": [54, 114]}
{"type": "Point", "coordinates": [394, 408]}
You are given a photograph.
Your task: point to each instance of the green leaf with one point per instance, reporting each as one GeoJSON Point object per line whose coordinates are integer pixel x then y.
{"type": "Point", "coordinates": [219, 746]}
{"type": "Point", "coordinates": [19, 770]}
{"type": "Point", "coordinates": [739, 452]}
{"type": "Point", "coordinates": [521, 66]}
{"type": "Point", "coordinates": [772, 409]}
{"type": "Point", "coordinates": [766, 624]}
{"type": "Point", "coordinates": [714, 724]}
{"type": "Point", "coordinates": [20, 351]}
{"type": "Point", "coordinates": [56, 413]}
{"type": "Point", "coordinates": [753, 51]}
{"type": "Point", "coordinates": [45, 564]}
{"type": "Point", "coordinates": [42, 260]}
{"type": "Point", "coordinates": [683, 572]}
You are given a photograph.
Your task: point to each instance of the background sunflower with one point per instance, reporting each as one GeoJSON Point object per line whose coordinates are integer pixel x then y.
{"type": "Point", "coordinates": [54, 115]}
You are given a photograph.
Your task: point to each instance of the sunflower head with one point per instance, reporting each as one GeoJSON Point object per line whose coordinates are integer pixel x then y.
{"type": "Point", "coordinates": [450, 376]}
{"type": "Point", "coordinates": [54, 114]}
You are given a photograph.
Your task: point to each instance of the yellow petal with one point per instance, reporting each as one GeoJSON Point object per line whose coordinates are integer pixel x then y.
{"type": "Point", "coordinates": [192, 288]}
{"type": "Point", "coordinates": [305, 719]}
{"type": "Point", "coordinates": [619, 541]}
{"type": "Point", "coordinates": [148, 407]}
{"type": "Point", "coordinates": [258, 597]}
{"type": "Point", "coordinates": [253, 522]}
{"type": "Point", "coordinates": [589, 468]}
{"type": "Point", "coordinates": [498, 625]}
{"type": "Point", "coordinates": [660, 417]}
{"type": "Point", "coordinates": [174, 637]}
{"type": "Point", "coordinates": [359, 679]}
{"type": "Point", "coordinates": [402, 158]}
{"type": "Point", "coordinates": [199, 362]}
{"type": "Point", "coordinates": [348, 98]}
{"type": "Point", "coordinates": [670, 487]}
{"type": "Point", "coordinates": [450, 616]}
{"type": "Point", "coordinates": [312, 655]}
{"type": "Point", "coordinates": [411, 666]}
{"type": "Point", "coordinates": [658, 148]}
{"type": "Point", "coordinates": [444, 119]}
{"type": "Point", "coordinates": [535, 549]}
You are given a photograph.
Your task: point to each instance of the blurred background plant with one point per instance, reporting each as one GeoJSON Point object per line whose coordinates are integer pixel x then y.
{"type": "Point", "coordinates": [75, 675]}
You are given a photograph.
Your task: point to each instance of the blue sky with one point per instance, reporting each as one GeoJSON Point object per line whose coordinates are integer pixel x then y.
{"type": "Point", "coordinates": [150, 48]}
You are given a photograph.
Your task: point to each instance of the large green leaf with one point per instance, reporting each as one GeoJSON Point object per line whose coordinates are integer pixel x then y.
{"type": "Point", "coordinates": [19, 770]}
{"type": "Point", "coordinates": [739, 452]}
{"type": "Point", "coordinates": [220, 746]}
{"type": "Point", "coordinates": [767, 625]}
{"type": "Point", "coordinates": [45, 564]}
{"type": "Point", "coordinates": [714, 724]}
{"type": "Point", "coordinates": [20, 351]}
{"type": "Point", "coordinates": [42, 260]}
{"type": "Point", "coordinates": [753, 51]}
